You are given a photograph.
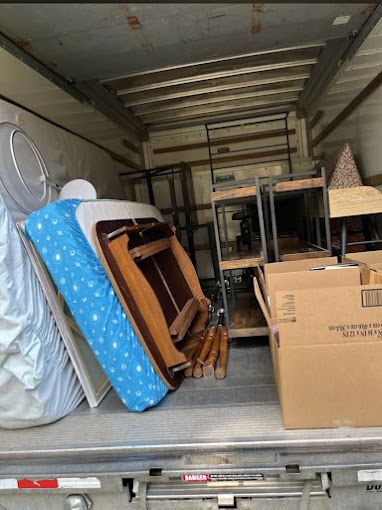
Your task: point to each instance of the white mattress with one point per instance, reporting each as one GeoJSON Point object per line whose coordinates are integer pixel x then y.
{"type": "Point", "coordinates": [89, 212]}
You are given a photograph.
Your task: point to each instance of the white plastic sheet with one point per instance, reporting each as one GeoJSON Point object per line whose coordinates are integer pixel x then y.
{"type": "Point", "coordinates": [37, 380]}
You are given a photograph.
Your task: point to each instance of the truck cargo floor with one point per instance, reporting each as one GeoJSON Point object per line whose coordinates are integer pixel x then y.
{"type": "Point", "coordinates": [204, 416]}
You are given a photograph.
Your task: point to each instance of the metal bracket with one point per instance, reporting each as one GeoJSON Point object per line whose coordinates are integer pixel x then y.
{"type": "Point", "coordinates": [325, 483]}
{"type": "Point", "coordinates": [324, 72]}
{"type": "Point", "coordinates": [140, 490]}
{"type": "Point", "coordinates": [305, 496]}
{"type": "Point", "coordinates": [226, 500]}
{"type": "Point", "coordinates": [360, 36]}
{"type": "Point", "coordinates": [12, 48]}
{"type": "Point", "coordinates": [78, 502]}
{"type": "Point", "coordinates": [50, 183]}
{"type": "Point", "coordinates": [335, 54]}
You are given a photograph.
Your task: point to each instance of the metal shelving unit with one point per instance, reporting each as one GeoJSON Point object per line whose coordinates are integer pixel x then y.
{"type": "Point", "coordinates": [312, 188]}
{"type": "Point", "coordinates": [279, 149]}
{"type": "Point", "coordinates": [223, 195]}
{"type": "Point", "coordinates": [187, 198]}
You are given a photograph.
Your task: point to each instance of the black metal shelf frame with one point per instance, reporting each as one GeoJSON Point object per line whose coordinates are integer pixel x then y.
{"type": "Point", "coordinates": [221, 204]}
{"type": "Point", "coordinates": [189, 206]}
{"type": "Point", "coordinates": [270, 196]}
{"type": "Point", "coordinates": [283, 117]}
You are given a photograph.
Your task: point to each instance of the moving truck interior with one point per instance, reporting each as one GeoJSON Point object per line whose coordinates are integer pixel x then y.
{"type": "Point", "coordinates": [191, 256]}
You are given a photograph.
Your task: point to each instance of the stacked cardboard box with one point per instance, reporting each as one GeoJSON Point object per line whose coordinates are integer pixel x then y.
{"type": "Point", "coordinates": [326, 342]}
{"type": "Point", "coordinates": [370, 263]}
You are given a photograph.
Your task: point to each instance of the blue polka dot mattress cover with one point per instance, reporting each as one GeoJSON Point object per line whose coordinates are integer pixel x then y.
{"type": "Point", "coordinates": [82, 281]}
{"type": "Point", "coordinates": [38, 384]}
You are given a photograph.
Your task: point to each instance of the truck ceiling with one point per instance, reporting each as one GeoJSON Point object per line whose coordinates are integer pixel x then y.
{"type": "Point", "coordinates": [159, 66]}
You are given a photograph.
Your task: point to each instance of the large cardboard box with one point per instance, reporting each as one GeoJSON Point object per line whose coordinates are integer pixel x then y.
{"type": "Point", "coordinates": [326, 344]}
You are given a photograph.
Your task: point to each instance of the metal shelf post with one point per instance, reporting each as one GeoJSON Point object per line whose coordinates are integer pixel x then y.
{"type": "Point", "coordinates": [236, 193]}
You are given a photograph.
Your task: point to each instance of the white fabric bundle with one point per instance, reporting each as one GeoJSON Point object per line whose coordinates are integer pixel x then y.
{"type": "Point", "coordinates": [37, 379]}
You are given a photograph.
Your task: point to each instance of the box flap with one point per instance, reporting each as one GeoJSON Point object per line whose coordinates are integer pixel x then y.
{"type": "Point", "coordinates": [369, 258]}
{"type": "Point", "coordinates": [260, 300]}
{"type": "Point", "coordinates": [369, 276]}
{"type": "Point", "coordinates": [341, 315]}
{"type": "Point", "coordinates": [259, 275]}
{"type": "Point", "coordinates": [272, 333]}
{"type": "Point", "coordinates": [297, 265]}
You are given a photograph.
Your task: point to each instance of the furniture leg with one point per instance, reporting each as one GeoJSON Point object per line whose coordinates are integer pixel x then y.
{"type": "Point", "coordinates": [344, 232]}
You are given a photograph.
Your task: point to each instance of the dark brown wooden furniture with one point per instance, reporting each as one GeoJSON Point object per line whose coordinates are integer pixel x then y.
{"type": "Point", "coordinates": [158, 288]}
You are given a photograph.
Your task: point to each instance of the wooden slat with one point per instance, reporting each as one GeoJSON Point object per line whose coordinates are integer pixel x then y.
{"type": "Point", "coordinates": [254, 169]}
{"type": "Point", "coordinates": [182, 322]}
{"type": "Point", "coordinates": [135, 228]}
{"type": "Point", "coordinates": [294, 248]}
{"type": "Point", "coordinates": [240, 261]}
{"type": "Point", "coordinates": [199, 323]}
{"type": "Point", "coordinates": [188, 270]}
{"type": "Point", "coordinates": [354, 201]}
{"type": "Point", "coordinates": [140, 304]}
{"type": "Point", "coordinates": [241, 157]}
{"type": "Point", "coordinates": [247, 318]}
{"type": "Point", "coordinates": [373, 180]}
{"type": "Point", "coordinates": [225, 141]}
{"type": "Point", "coordinates": [364, 94]}
{"type": "Point", "coordinates": [150, 249]}
{"type": "Point", "coordinates": [286, 257]}
{"type": "Point", "coordinates": [315, 182]}
{"type": "Point", "coordinates": [233, 193]}
{"type": "Point", "coordinates": [248, 332]}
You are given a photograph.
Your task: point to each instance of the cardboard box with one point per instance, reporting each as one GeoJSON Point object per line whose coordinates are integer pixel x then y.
{"type": "Point", "coordinates": [371, 260]}
{"type": "Point", "coordinates": [287, 275]}
{"type": "Point", "coordinates": [326, 344]}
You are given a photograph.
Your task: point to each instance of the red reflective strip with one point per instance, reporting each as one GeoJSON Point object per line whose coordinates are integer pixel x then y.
{"type": "Point", "coordinates": [38, 484]}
